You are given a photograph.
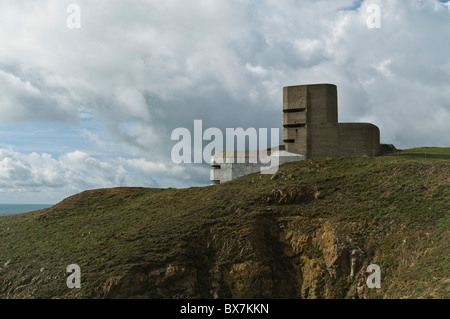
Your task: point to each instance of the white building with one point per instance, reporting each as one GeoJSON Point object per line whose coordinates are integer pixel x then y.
{"type": "Point", "coordinates": [229, 165]}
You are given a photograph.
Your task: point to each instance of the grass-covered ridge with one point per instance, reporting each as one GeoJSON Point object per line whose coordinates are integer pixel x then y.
{"type": "Point", "coordinates": [395, 208]}
{"type": "Point", "coordinates": [426, 153]}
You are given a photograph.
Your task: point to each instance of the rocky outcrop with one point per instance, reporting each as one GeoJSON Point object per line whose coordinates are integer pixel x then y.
{"type": "Point", "coordinates": [289, 257]}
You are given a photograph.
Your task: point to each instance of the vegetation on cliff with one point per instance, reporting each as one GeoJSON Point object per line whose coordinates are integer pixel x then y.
{"type": "Point", "coordinates": [309, 231]}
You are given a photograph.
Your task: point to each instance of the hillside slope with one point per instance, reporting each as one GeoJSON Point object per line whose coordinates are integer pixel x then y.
{"type": "Point", "coordinates": [309, 231]}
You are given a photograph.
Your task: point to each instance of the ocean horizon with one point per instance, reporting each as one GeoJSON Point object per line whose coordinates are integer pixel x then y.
{"type": "Point", "coordinates": [14, 209]}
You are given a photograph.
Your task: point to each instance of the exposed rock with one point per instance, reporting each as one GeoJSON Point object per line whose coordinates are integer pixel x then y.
{"type": "Point", "coordinates": [335, 252]}
{"type": "Point", "coordinates": [250, 280]}
{"type": "Point", "coordinates": [126, 286]}
{"type": "Point", "coordinates": [291, 196]}
{"type": "Point", "coordinates": [290, 257]}
{"type": "Point", "coordinates": [178, 282]}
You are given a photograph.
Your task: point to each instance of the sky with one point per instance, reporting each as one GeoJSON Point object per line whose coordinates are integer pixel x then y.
{"type": "Point", "coordinates": [90, 100]}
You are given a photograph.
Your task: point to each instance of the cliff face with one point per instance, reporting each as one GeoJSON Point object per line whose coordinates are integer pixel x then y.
{"type": "Point", "coordinates": [309, 231]}
{"type": "Point", "coordinates": [280, 258]}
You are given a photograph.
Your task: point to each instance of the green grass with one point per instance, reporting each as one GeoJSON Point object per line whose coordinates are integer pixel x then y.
{"type": "Point", "coordinates": [426, 153]}
{"type": "Point", "coordinates": [396, 208]}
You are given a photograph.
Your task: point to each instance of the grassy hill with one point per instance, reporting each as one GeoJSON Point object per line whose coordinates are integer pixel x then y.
{"type": "Point", "coordinates": [309, 231]}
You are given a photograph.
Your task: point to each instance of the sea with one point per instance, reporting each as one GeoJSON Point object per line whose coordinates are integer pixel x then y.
{"type": "Point", "coordinates": [12, 209]}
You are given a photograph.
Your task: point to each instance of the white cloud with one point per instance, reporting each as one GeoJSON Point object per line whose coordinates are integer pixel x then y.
{"type": "Point", "coordinates": [256, 69]}
{"type": "Point", "coordinates": [76, 171]}
{"type": "Point", "coordinates": [20, 100]}
{"type": "Point", "coordinates": [137, 70]}
{"type": "Point", "coordinates": [448, 5]}
{"type": "Point", "coordinates": [383, 67]}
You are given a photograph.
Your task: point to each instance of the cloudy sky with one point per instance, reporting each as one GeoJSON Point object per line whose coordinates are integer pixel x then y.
{"type": "Point", "coordinates": [95, 106]}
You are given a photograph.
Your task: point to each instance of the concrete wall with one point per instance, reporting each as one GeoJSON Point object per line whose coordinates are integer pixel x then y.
{"type": "Point", "coordinates": [322, 106]}
{"type": "Point", "coordinates": [323, 140]}
{"type": "Point", "coordinates": [295, 117]}
{"type": "Point", "coordinates": [357, 139]}
{"type": "Point", "coordinates": [311, 128]}
{"type": "Point", "coordinates": [227, 166]}
{"type": "Point", "coordinates": [295, 140]}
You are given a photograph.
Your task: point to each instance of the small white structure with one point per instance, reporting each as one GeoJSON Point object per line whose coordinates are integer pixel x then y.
{"type": "Point", "coordinates": [229, 165]}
